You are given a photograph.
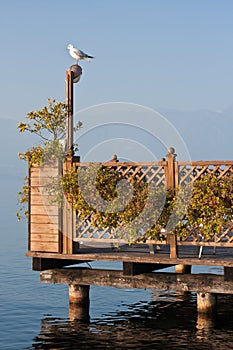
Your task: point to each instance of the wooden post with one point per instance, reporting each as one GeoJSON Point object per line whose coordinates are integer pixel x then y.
{"type": "Point", "coordinates": [183, 268]}
{"type": "Point", "coordinates": [206, 303]}
{"type": "Point", "coordinates": [173, 246]}
{"type": "Point", "coordinates": [69, 102]}
{"type": "Point", "coordinates": [68, 219]}
{"type": "Point", "coordinates": [79, 302]}
{"type": "Point", "coordinates": [170, 185]}
{"type": "Point", "coordinates": [171, 169]}
{"type": "Point", "coordinates": [73, 75]}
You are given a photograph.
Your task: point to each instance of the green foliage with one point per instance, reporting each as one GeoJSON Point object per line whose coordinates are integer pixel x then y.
{"type": "Point", "coordinates": [106, 182]}
{"type": "Point", "coordinates": [210, 208]}
{"type": "Point", "coordinates": [207, 213]}
{"type": "Point", "coordinates": [49, 124]}
{"type": "Point", "coordinates": [23, 201]}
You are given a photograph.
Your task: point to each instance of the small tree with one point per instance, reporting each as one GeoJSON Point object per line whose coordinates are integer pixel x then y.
{"type": "Point", "coordinates": [49, 124]}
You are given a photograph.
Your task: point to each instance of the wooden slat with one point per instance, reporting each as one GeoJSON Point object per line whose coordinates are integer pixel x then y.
{"type": "Point", "coordinates": [206, 162]}
{"type": "Point", "coordinates": [44, 237]}
{"type": "Point", "coordinates": [37, 199]}
{"type": "Point", "coordinates": [44, 210]}
{"type": "Point", "coordinates": [43, 219]}
{"type": "Point", "coordinates": [44, 247]}
{"type": "Point", "coordinates": [117, 164]}
{"type": "Point", "coordinates": [158, 258]}
{"type": "Point", "coordinates": [47, 227]}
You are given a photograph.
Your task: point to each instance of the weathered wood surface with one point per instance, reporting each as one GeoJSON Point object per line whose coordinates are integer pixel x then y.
{"type": "Point", "coordinates": [39, 264]}
{"type": "Point", "coordinates": [206, 283]}
{"type": "Point", "coordinates": [44, 217]}
{"type": "Point", "coordinates": [223, 256]}
{"type": "Point", "coordinates": [132, 269]}
{"type": "Point", "coordinates": [53, 230]}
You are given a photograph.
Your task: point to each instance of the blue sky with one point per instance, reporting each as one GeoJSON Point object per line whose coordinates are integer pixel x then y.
{"type": "Point", "coordinates": [175, 54]}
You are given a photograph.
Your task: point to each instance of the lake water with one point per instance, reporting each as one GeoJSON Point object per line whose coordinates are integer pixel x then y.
{"type": "Point", "coordinates": [36, 316]}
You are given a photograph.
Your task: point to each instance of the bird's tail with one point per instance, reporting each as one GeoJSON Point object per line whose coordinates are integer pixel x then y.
{"type": "Point", "coordinates": [88, 58]}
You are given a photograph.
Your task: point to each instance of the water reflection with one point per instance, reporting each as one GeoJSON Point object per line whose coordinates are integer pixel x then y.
{"type": "Point", "coordinates": [168, 321]}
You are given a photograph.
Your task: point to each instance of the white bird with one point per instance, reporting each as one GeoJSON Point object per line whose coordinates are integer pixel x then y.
{"type": "Point", "coordinates": [78, 54]}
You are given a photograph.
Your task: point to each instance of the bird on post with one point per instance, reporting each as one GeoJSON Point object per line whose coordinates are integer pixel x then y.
{"type": "Point", "coordinates": [78, 54]}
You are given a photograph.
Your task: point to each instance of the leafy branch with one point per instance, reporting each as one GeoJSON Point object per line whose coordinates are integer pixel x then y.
{"type": "Point", "coordinates": [49, 124]}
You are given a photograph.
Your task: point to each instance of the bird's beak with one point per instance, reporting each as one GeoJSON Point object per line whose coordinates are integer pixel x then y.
{"type": "Point", "coordinates": [67, 48]}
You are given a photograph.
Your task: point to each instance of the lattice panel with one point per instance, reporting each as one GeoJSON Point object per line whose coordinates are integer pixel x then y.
{"type": "Point", "coordinates": [194, 237]}
{"type": "Point", "coordinates": [151, 173]}
{"type": "Point", "coordinates": [190, 172]}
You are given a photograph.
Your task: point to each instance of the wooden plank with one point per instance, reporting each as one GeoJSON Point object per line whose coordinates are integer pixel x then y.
{"type": "Point", "coordinates": [228, 273]}
{"type": "Point", "coordinates": [45, 237]}
{"type": "Point", "coordinates": [132, 269]}
{"type": "Point", "coordinates": [41, 264]}
{"type": "Point", "coordinates": [41, 199]}
{"type": "Point", "coordinates": [206, 162]}
{"type": "Point", "coordinates": [139, 258]}
{"type": "Point", "coordinates": [206, 244]}
{"type": "Point", "coordinates": [44, 171]}
{"type": "Point", "coordinates": [206, 283]}
{"type": "Point", "coordinates": [118, 164]}
{"type": "Point", "coordinates": [44, 246]}
{"type": "Point", "coordinates": [42, 228]}
{"type": "Point", "coordinates": [44, 210]}
{"type": "Point", "coordinates": [43, 219]}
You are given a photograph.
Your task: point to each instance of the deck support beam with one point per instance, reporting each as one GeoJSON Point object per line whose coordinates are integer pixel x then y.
{"type": "Point", "coordinates": [41, 264]}
{"type": "Point", "coordinates": [132, 269]}
{"type": "Point", "coordinates": [228, 273]}
{"type": "Point", "coordinates": [206, 303]}
{"type": "Point", "coordinates": [204, 283]}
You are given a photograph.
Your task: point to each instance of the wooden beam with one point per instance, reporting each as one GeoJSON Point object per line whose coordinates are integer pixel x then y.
{"type": "Point", "coordinates": [132, 269]}
{"type": "Point", "coordinates": [137, 257]}
{"type": "Point", "coordinates": [41, 264]}
{"type": "Point", "coordinates": [204, 283]}
{"type": "Point", "coordinates": [228, 273]}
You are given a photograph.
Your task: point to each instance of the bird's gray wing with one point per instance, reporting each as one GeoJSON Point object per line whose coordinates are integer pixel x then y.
{"type": "Point", "coordinates": [80, 53]}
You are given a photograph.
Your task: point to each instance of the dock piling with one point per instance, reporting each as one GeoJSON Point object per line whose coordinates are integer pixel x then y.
{"type": "Point", "coordinates": [206, 303]}
{"type": "Point", "coordinates": [79, 302]}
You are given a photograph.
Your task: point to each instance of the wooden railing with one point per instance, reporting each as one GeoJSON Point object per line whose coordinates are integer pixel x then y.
{"type": "Point", "coordinates": [54, 230]}
{"type": "Point", "coordinates": [192, 171]}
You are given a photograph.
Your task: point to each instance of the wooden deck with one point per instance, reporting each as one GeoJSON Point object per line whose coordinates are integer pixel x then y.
{"type": "Point", "coordinates": [141, 254]}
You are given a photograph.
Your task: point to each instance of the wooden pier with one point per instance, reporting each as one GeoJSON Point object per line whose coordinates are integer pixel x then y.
{"type": "Point", "coordinates": [59, 237]}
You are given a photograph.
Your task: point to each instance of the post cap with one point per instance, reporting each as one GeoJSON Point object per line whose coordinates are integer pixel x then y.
{"type": "Point", "coordinates": [171, 150]}
{"type": "Point", "coordinates": [77, 72]}
{"type": "Point", "coordinates": [114, 158]}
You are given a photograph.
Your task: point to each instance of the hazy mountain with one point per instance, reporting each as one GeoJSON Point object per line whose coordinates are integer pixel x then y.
{"type": "Point", "coordinates": [207, 134]}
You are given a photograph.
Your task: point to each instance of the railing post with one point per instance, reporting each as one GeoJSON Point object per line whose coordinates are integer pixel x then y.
{"type": "Point", "coordinates": [171, 185]}
{"type": "Point", "coordinates": [68, 217]}
{"type": "Point", "coordinates": [171, 169]}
